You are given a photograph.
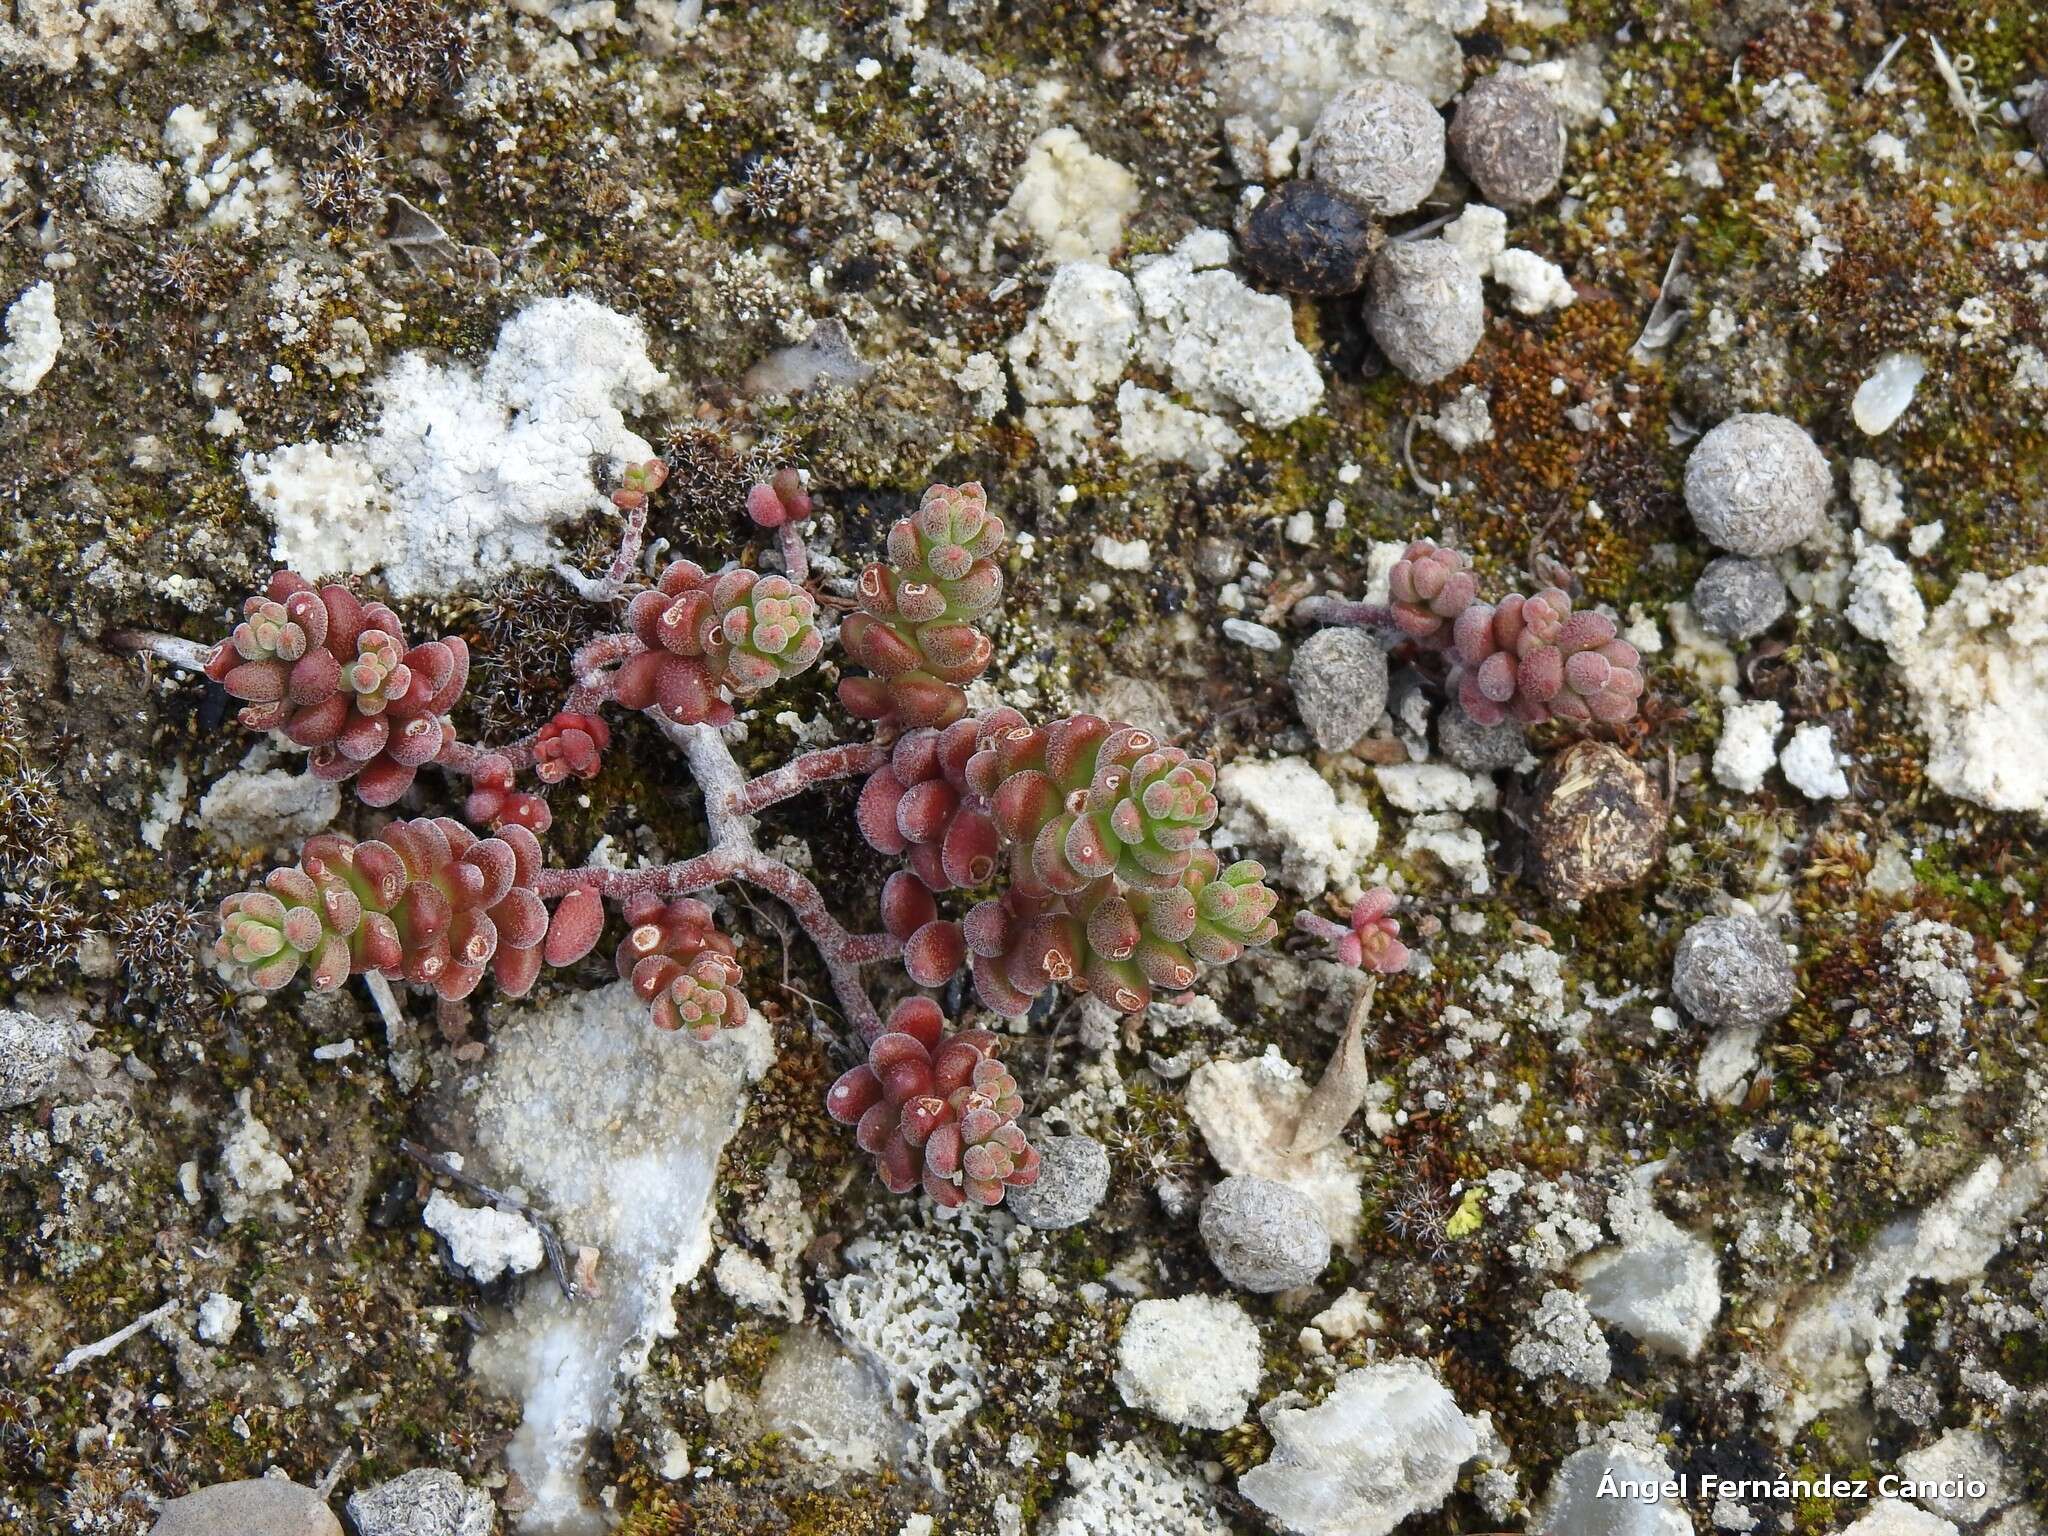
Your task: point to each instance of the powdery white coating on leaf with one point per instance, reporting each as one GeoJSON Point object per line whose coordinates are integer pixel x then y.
{"type": "Point", "coordinates": [1284, 806]}
{"type": "Point", "coordinates": [1247, 1112]}
{"type": "Point", "coordinates": [1223, 344]}
{"type": "Point", "coordinates": [486, 1242]}
{"type": "Point", "coordinates": [1192, 1360]}
{"type": "Point", "coordinates": [1128, 1488]}
{"type": "Point", "coordinates": [1841, 1343]}
{"type": "Point", "coordinates": [1660, 1285]}
{"type": "Point", "coordinates": [1071, 200]}
{"type": "Point", "coordinates": [1386, 1443]}
{"type": "Point", "coordinates": [34, 338]}
{"type": "Point", "coordinates": [613, 1129]}
{"type": "Point", "coordinates": [467, 469]}
{"type": "Point", "coordinates": [902, 1305]}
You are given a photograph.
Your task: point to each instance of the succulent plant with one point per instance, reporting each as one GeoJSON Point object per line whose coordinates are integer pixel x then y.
{"type": "Point", "coordinates": [681, 966]}
{"type": "Point", "coordinates": [1534, 658]}
{"type": "Point", "coordinates": [706, 636]}
{"type": "Point", "coordinates": [334, 674]}
{"type": "Point", "coordinates": [915, 630]}
{"type": "Point", "coordinates": [571, 744]}
{"type": "Point", "coordinates": [494, 803]}
{"type": "Point", "coordinates": [1118, 943]}
{"type": "Point", "coordinates": [427, 901]}
{"type": "Point", "coordinates": [1430, 586]}
{"type": "Point", "coordinates": [920, 804]}
{"type": "Point", "coordinates": [779, 500]}
{"type": "Point", "coordinates": [1083, 798]}
{"type": "Point", "coordinates": [639, 482]}
{"type": "Point", "coordinates": [1372, 942]}
{"type": "Point", "coordinates": [937, 1109]}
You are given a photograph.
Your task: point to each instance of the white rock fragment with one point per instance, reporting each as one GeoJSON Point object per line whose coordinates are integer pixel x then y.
{"type": "Point", "coordinates": [1128, 1488]}
{"type": "Point", "coordinates": [1421, 787]}
{"type": "Point", "coordinates": [615, 1133]}
{"type": "Point", "coordinates": [1192, 1360]}
{"type": "Point", "coordinates": [1727, 1063]}
{"type": "Point", "coordinates": [1840, 1343]}
{"type": "Point", "coordinates": [1661, 1285]}
{"type": "Point", "coordinates": [486, 1242]}
{"type": "Point", "coordinates": [833, 1409]}
{"type": "Point", "coordinates": [1280, 61]}
{"type": "Point", "coordinates": [252, 806]}
{"type": "Point", "coordinates": [252, 1170]}
{"type": "Point", "coordinates": [1978, 676]}
{"type": "Point", "coordinates": [1959, 1460]}
{"type": "Point", "coordinates": [1386, 1443]}
{"type": "Point", "coordinates": [1247, 1112]}
{"type": "Point", "coordinates": [1748, 745]}
{"type": "Point", "coordinates": [1882, 398]}
{"type": "Point", "coordinates": [1811, 766]}
{"type": "Point", "coordinates": [1879, 497]}
{"type": "Point", "coordinates": [1079, 339]}
{"type": "Point", "coordinates": [1534, 284]}
{"type": "Point", "coordinates": [1895, 1517]}
{"type": "Point", "coordinates": [1224, 345]}
{"type": "Point", "coordinates": [1123, 554]}
{"type": "Point", "coordinates": [1283, 804]}
{"type": "Point", "coordinates": [467, 469]}
{"type": "Point", "coordinates": [1884, 603]}
{"type": "Point", "coordinates": [1574, 1504]}
{"type": "Point", "coordinates": [1070, 200]}
{"type": "Point", "coordinates": [34, 337]}
{"type": "Point", "coordinates": [1156, 429]}
{"type": "Point", "coordinates": [1479, 234]}
{"type": "Point", "coordinates": [220, 1316]}
{"type": "Point", "coordinates": [1561, 1339]}
{"type": "Point", "coordinates": [1459, 848]}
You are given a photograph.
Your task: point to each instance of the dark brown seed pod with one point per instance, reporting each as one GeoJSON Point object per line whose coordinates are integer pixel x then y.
{"type": "Point", "coordinates": [1599, 823]}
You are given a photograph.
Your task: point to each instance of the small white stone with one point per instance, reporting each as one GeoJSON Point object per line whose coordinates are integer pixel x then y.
{"type": "Point", "coordinates": [1810, 764]}
{"type": "Point", "coordinates": [1882, 398]}
{"type": "Point", "coordinates": [1259, 637]}
{"type": "Point", "coordinates": [486, 1242]}
{"type": "Point", "coordinates": [1660, 1285]}
{"type": "Point", "coordinates": [1193, 1360]}
{"type": "Point", "coordinates": [1123, 554]}
{"type": "Point", "coordinates": [219, 1316]}
{"type": "Point", "coordinates": [34, 337]}
{"type": "Point", "coordinates": [1748, 744]}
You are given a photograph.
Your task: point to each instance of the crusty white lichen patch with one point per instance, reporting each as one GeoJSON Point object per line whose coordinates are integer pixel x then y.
{"type": "Point", "coordinates": [467, 470]}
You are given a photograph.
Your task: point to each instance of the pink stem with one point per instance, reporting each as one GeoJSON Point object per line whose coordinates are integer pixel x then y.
{"type": "Point", "coordinates": [1341, 610]}
{"type": "Point", "coordinates": [801, 773]}
{"type": "Point", "coordinates": [591, 692]}
{"type": "Point", "coordinates": [1317, 926]}
{"type": "Point", "coordinates": [796, 559]}
{"type": "Point", "coordinates": [612, 584]}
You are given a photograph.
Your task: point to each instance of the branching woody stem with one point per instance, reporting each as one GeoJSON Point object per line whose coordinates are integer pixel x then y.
{"type": "Point", "coordinates": [813, 768]}
{"type": "Point", "coordinates": [1342, 610]}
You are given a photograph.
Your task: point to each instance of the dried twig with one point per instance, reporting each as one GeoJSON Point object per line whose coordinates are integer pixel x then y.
{"type": "Point", "coordinates": [112, 1341]}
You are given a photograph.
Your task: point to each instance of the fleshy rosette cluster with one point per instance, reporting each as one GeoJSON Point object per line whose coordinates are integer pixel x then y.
{"type": "Point", "coordinates": [426, 901]}
{"type": "Point", "coordinates": [681, 966]}
{"type": "Point", "coordinates": [915, 631]}
{"type": "Point", "coordinates": [1527, 658]}
{"type": "Point", "coordinates": [937, 1108]}
{"type": "Point", "coordinates": [1084, 798]}
{"type": "Point", "coordinates": [711, 637]}
{"type": "Point", "coordinates": [1371, 941]}
{"type": "Point", "coordinates": [570, 745]}
{"type": "Point", "coordinates": [1118, 943]}
{"type": "Point", "coordinates": [334, 674]}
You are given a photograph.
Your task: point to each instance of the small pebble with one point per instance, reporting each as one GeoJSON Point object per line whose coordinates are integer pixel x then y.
{"type": "Point", "coordinates": [1738, 599]}
{"type": "Point", "coordinates": [33, 1050]}
{"type": "Point", "coordinates": [1381, 143]}
{"type": "Point", "coordinates": [1424, 308]}
{"type": "Point", "coordinates": [1732, 971]}
{"type": "Point", "coordinates": [1340, 685]}
{"type": "Point", "coordinates": [1510, 140]}
{"type": "Point", "coordinates": [425, 1502]}
{"type": "Point", "coordinates": [1073, 1176]}
{"type": "Point", "coordinates": [1599, 823]}
{"type": "Point", "coordinates": [1306, 238]}
{"type": "Point", "coordinates": [1479, 748]}
{"type": "Point", "coordinates": [1263, 1235]}
{"type": "Point", "coordinates": [259, 1506]}
{"type": "Point", "coordinates": [2037, 118]}
{"type": "Point", "coordinates": [126, 192]}
{"type": "Point", "coordinates": [1756, 485]}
